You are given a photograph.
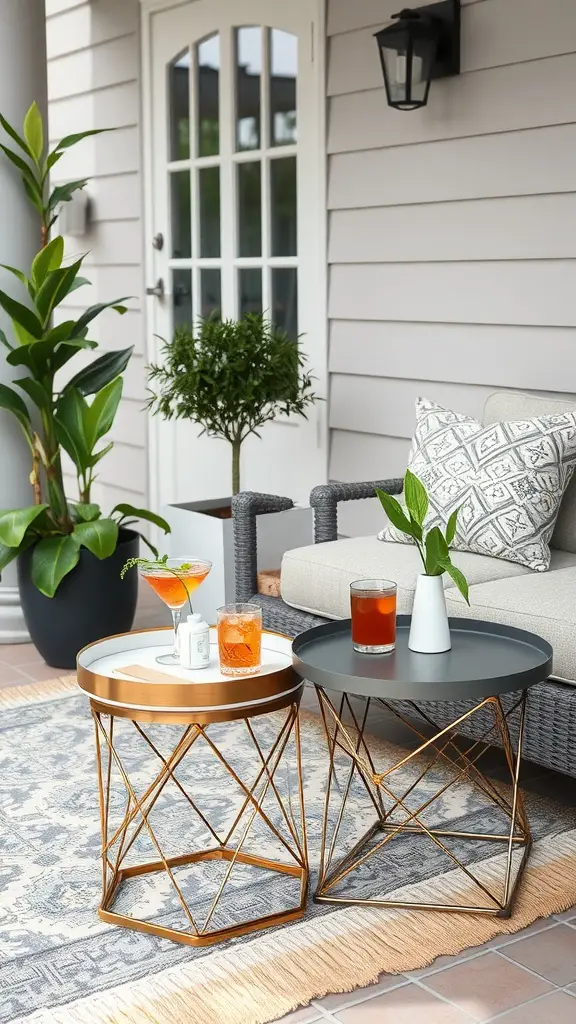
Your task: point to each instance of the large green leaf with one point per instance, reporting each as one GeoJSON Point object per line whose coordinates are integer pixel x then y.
{"type": "Point", "coordinates": [34, 195]}
{"type": "Point", "coordinates": [415, 497]}
{"type": "Point", "coordinates": [34, 132]}
{"type": "Point", "coordinates": [85, 512]}
{"type": "Point", "coordinates": [20, 164]}
{"type": "Point", "coordinates": [17, 273]}
{"type": "Point", "coordinates": [7, 555]}
{"type": "Point", "coordinates": [78, 282]}
{"type": "Point", "coordinates": [71, 140]}
{"type": "Point", "coordinates": [129, 512]}
{"type": "Point", "coordinates": [14, 135]}
{"type": "Point", "coordinates": [100, 415]}
{"type": "Point", "coordinates": [459, 579]}
{"type": "Point", "coordinates": [436, 550]}
{"type": "Point", "coordinates": [49, 258]}
{"type": "Point", "coordinates": [21, 314]}
{"type": "Point", "coordinates": [100, 536]}
{"type": "Point", "coordinates": [61, 332]}
{"type": "Point", "coordinates": [70, 425]}
{"type": "Point", "coordinates": [4, 341]}
{"type": "Point", "coordinates": [55, 287]}
{"type": "Point", "coordinates": [63, 193]}
{"type": "Point", "coordinates": [41, 396]}
{"type": "Point", "coordinates": [12, 401]}
{"type": "Point", "coordinates": [395, 513]}
{"type": "Point", "coordinates": [451, 526]}
{"type": "Point", "coordinates": [53, 558]}
{"type": "Point", "coordinates": [94, 311]}
{"type": "Point", "coordinates": [15, 522]}
{"type": "Point", "coordinates": [104, 369]}
{"type": "Point", "coordinates": [67, 349]}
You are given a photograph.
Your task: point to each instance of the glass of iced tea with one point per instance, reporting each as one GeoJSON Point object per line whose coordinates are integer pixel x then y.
{"type": "Point", "coordinates": [239, 639]}
{"type": "Point", "coordinates": [373, 608]}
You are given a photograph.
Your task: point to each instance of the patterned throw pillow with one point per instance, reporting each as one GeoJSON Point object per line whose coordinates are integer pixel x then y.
{"type": "Point", "coordinates": [507, 478]}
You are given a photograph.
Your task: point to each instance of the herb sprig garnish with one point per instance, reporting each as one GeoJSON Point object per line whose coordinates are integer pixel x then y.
{"type": "Point", "coordinates": [158, 565]}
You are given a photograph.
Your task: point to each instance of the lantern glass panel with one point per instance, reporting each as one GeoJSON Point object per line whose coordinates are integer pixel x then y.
{"type": "Point", "coordinates": [408, 52]}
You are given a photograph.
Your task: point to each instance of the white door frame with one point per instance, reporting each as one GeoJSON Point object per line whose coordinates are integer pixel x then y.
{"type": "Point", "coordinates": [317, 45]}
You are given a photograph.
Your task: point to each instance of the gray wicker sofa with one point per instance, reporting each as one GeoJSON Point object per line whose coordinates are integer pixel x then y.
{"type": "Point", "coordinates": [315, 584]}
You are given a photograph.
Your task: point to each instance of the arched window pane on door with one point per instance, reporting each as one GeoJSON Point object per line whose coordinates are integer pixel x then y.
{"type": "Point", "coordinates": [179, 93]}
{"type": "Point", "coordinates": [241, 177]}
{"type": "Point", "coordinates": [283, 76]}
{"type": "Point", "coordinates": [208, 91]}
{"type": "Point", "coordinates": [248, 87]}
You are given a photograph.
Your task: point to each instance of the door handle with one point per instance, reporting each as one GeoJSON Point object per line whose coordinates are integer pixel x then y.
{"type": "Point", "coordinates": [157, 289]}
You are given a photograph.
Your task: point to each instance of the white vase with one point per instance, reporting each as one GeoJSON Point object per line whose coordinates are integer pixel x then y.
{"type": "Point", "coordinates": [429, 630]}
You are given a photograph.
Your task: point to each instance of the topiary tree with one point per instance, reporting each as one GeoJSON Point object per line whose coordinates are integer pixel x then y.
{"type": "Point", "coordinates": [231, 377]}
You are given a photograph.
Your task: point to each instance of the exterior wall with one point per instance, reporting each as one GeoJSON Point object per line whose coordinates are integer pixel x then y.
{"type": "Point", "coordinates": [451, 240]}
{"type": "Point", "coordinates": [93, 82]}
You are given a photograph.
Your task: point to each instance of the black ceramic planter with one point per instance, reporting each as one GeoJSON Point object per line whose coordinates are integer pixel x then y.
{"type": "Point", "coordinates": [91, 602]}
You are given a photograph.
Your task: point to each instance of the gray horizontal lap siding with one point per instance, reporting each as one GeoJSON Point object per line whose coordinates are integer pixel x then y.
{"type": "Point", "coordinates": [451, 229]}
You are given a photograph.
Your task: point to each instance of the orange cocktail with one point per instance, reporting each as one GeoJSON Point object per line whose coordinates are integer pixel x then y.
{"type": "Point", "coordinates": [239, 639]}
{"type": "Point", "coordinates": [174, 580]}
{"type": "Point", "coordinates": [373, 610]}
{"type": "Point", "coordinates": [176, 589]}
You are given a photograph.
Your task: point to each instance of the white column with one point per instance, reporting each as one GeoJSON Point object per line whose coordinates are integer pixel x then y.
{"type": "Point", "coordinates": [22, 80]}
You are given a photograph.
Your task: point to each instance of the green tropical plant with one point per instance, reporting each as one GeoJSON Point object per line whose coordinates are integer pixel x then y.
{"type": "Point", "coordinates": [231, 377]}
{"type": "Point", "coordinates": [55, 415]}
{"type": "Point", "coordinates": [433, 545]}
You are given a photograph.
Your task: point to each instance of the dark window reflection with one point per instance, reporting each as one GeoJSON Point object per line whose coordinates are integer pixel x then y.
{"type": "Point", "coordinates": [283, 78]}
{"type": "Point", "coordinates": [283, 206]}
{"type": "Point", "coordinates": [248, 76]}
{"type": "Point", "coordinates": [181, 298]}
{"type": "Point", "coordinates": [209, 198]}
{"type": "Point", "coordinates": [209, 96]}
{"type": "Point", "coordinates": [210, 293]}
{"type": "Point", "coordinates": [285, 300]}
{"type": "Point", "coordinates": [180, 212]}
{"type": "Point", "coordinates": [250, 209]}
{"type": "Point", "coordinates": [179, 102]}
{"type": "Point", "coordinates": [249, 291]}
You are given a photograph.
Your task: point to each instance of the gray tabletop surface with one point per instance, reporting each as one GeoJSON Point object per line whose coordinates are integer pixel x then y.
{"type": "Point", "coordinates": [486, 659]}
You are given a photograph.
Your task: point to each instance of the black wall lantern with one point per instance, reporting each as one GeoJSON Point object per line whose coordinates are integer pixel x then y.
{"type": "Point", "coordinates": [422, 44]}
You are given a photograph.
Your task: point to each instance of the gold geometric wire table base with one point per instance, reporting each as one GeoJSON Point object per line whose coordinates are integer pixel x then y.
{"type": "Point", "coordinates": [350, 739]}
{"type": "Point", "coordinates": [138, 818]}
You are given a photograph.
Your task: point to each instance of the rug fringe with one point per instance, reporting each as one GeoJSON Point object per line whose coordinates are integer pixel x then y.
{"type": "Point", "coordinates": [272, 975]}
{"type": "Point", "coordinates": [29, 693]}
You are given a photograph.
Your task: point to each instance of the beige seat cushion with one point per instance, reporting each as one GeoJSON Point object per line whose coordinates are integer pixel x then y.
{"type": "Point", "coordinates": [317, 578]}
{"type": "Point", "coordinates": [543, 603]}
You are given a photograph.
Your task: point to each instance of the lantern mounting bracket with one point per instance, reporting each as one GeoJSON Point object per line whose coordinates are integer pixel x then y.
{"type": "Point", "coordinates": [445, 15]}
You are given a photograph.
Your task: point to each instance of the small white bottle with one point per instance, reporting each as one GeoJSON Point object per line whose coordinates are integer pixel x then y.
{"type": "Point", "coordinates": [194, 635]}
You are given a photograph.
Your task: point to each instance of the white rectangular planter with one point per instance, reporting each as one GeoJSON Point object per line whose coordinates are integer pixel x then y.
{"type": "Point", "coordinates": [198, 533]}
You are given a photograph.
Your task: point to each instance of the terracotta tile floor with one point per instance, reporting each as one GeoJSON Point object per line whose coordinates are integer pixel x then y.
{"type": "Point", "coordinates": [528, 978]}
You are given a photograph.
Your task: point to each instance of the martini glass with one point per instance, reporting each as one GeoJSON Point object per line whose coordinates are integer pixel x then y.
{"type": "Point", "coordinates": [174, 584]}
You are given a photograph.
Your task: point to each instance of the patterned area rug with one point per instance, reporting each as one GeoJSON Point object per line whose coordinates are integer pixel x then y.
{"type": "Point", "coordinates": [60, 965]}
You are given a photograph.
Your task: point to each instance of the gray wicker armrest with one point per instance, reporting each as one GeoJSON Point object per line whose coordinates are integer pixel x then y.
{"type": "Point", "coordinates": [245, 507]}
{"type": "Point", "coordinates": [324, 500]}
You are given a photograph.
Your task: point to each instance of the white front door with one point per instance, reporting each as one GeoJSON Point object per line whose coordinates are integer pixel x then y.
{"type": "Point", "coordinates": [236, 169]}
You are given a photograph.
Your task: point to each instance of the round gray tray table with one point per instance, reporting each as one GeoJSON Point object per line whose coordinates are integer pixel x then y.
{"type": "Point", "coordinates": [485, 662]}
